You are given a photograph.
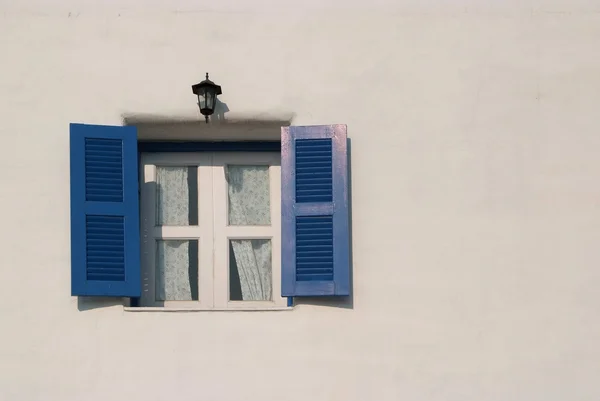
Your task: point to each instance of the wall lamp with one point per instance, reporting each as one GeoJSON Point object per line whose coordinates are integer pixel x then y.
{"type": "Point", "coordinates": [207, 92]}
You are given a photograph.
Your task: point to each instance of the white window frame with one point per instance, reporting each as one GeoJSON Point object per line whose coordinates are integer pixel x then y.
{"type": "Point", "coordinates": [213, 232]}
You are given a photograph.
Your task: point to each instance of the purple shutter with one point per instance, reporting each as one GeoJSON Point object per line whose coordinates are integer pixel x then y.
{"type": "Point", "coordinates": [314, 208]}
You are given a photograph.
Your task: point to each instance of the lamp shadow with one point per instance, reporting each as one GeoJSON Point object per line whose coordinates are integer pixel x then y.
{"type": "Point", "coordinates": [220, 110]}
{"type": "Point", "coordinates": [346, 302]}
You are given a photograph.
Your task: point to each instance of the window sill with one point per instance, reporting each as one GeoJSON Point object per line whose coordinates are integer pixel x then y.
{"type": "Point", "coordinates": [194, 309]}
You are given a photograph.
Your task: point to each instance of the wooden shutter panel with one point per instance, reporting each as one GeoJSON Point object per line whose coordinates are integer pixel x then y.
{"type": "Point", "coordinates": [315, 236]}
{"type": "Point", "coordinates": [105, 233]}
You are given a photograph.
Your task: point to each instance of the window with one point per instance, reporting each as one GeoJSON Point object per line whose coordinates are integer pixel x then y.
{"type": "Point", "coordinates": [219, 230]}
{"type": "Point", "coordinates": [210, 225]}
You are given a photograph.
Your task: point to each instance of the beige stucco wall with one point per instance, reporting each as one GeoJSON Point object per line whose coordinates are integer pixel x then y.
{"type": "Point", "coordinates": [476, 198]}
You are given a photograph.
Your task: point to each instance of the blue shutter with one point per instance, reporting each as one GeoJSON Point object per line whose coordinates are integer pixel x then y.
{"type": "Point", "coordinates": [314, 211]}
{"type": "Point", "coordinates": [105, 232]}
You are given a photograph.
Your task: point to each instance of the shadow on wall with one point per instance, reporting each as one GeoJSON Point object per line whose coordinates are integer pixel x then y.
{"type": "Point", "coordinates": [88, 303]}
{"type": "Point", "coordinates": [339, 302]}
{"type": "Point", "coordinates": [153, 127]}
{"type": "Point", "coordinates": [220, 110]}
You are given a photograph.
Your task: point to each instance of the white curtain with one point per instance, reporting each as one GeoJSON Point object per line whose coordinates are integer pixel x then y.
{"type": "Point", "coordinates": [173, 278]}
{"type": "Point", "coordinates": [172, 208]}
{"type": "Point", "coordinates": [173, 196]}
{"type": "Point", "coordinates": [248, 190]}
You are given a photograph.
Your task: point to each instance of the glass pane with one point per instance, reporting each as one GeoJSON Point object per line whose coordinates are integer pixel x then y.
{"type": "Point", "coordinates": [250, 276]}
{"type": "Point", "coordinates": [210, 100]}
{"type": "Point", "coordinates": [248, 190]}
{"type": "Point", "coordinates": [177, 196]}
{"type": "Point", "coordinates": [177, 270]}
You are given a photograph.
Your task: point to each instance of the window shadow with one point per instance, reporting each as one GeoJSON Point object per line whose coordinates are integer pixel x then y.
{"type": "Point", "coordinates": [166, 128]}
{"type": "Point", "coordinates": [348, 301]}
{"type": "Point", "coordinates": [89, 303]}
{"type": "Point", "coordinates": [148, 279]}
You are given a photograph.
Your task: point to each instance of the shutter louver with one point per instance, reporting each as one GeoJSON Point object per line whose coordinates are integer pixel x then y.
{"type": "Point", "coordinates": [314, 174]}
{"type": "Point", "coordinates": [315, 236]}
{"type": "Point", "coordinates": [103, 170]}
{"type": "Point", "coordinates": [105, 248]}
{"type": "Point", "coordinates": [314, 248]}
{"type": "Point", "coordinates": [105, 244]}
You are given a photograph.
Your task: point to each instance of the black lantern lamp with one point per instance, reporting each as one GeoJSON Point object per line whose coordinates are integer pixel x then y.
{"type": "Point", "coordinates": [207, 92]}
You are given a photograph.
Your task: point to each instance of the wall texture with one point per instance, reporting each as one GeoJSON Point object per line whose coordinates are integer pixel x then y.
{"type": "Point", "coordinates": [476, 197]}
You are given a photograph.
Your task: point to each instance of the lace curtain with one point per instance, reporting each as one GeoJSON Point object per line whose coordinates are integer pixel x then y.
{"type": "Point", "coordinates": [249, 205]}
{"type": "Point", "coordinates": [173, 196]}
{"type": "Point", "coordinates": [177, 278]}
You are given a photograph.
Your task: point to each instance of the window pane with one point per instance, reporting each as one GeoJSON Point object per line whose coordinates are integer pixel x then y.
{"type": "Point", "coordinates": [250, 276]}
{"type": "Point", "coordinates": [248, 193]}
{"type": "Point", "coordinates": [177, 271]}
{"type": "Point", "coordinates": [177, 196]}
